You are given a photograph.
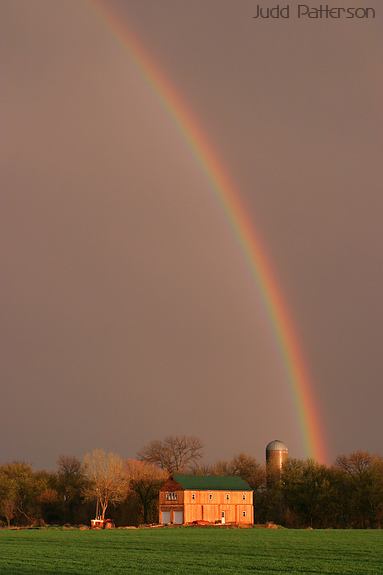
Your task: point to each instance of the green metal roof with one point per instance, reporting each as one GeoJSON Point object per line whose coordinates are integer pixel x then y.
{"type": "Point", "coordinates": [212, 482]}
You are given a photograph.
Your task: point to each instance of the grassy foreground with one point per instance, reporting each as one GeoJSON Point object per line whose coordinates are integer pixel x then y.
{"type": "Point", "coordinates": [191, 550]}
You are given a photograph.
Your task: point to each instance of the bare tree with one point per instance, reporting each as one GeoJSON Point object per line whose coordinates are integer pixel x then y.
{"type": "Point", "coordinates": [358, 463]}
{"type": "Point", "coordinates": [243, 465]}
{"type": "Point", "coordinates": [68, 465]}
{"type": "Point", "coordinates": [174, 453]}
{"type": "Point", "coordinates": [249, 469]}
{"type": "Point", "coordinates": [220, 467]}
{"type": "Point", "coordinates": [108, 481]}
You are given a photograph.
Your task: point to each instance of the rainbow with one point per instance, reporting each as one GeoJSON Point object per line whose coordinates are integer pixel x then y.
{"type": "Point", "coordinates": [255, 253]}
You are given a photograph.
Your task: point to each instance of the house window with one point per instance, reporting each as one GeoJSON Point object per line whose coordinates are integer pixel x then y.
{"type": "Point", "coordinates": [193, 496]}
{"type": "Point", "coordinates": [227, 496]}
{"type": "Point", "coordinates": [243, 513]}
{"type": "Point", "coordinates": [243, 496]}
{"type": "Point", "coordinates": [170, 496]}
{"type": "Point", "coordinates": [210, 496]}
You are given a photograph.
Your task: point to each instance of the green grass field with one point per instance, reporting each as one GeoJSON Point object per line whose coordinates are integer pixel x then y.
{"type": "Point", "coordinates": [191, 550]}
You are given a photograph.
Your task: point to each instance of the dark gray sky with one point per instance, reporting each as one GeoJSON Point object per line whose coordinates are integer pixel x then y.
{"type": "Point", "coordinates": [127, 309]}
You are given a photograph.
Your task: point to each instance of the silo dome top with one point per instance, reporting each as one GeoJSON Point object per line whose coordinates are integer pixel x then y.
{"type": "Point", "coordinates": [276, 445]}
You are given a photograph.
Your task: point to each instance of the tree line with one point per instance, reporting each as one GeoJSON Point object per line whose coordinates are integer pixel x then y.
{"type": "Point", "coordinates": [347, 494]}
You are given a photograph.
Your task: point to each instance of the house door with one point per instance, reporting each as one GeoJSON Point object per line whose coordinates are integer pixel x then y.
{"type": "Point", "coordinates": [223, 518]}
{"type": "Point", "coordinates": [165, 517]}
{"type": "Point", "coordinates": [178, 517]}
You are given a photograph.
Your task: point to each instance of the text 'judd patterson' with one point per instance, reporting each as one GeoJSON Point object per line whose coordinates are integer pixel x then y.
{"type": "Point", "coordinates": [309, 12]}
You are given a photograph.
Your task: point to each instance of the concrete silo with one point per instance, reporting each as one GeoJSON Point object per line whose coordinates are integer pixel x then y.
{"type": "Point", "coordinates": [276, 455]}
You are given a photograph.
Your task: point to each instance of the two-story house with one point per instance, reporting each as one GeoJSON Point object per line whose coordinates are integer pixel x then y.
{"type": "Point", "coordinates": [213, 499]}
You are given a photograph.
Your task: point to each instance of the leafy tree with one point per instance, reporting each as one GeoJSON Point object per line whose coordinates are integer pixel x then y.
{"type": "Point", "coordinates": [307, 490]}
{"type": "Point", "coordinates": [269, 505]}
{"type": "Point", "coordinates": [8, 498]}
{"type": "Point", "coordinates": [71, 482]}
{"type": "Point", "coordinates": [361, 477]}
{"type": "Point", "coordinates": [21, 490]}
{"type": "Point", "coordinates": [145, 480]}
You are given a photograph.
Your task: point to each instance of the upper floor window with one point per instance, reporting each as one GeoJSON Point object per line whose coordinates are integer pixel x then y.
{"type": "Point", "coordinates": [227, 496]}
{"type": "Point", "coordinates": [171, 496]}
{"type": "Point", "coordinates": [193, 496]}
{"type": "Point", "coordinates": [210, 497]}
{"type": "Point", "coordinates": [243, 496]}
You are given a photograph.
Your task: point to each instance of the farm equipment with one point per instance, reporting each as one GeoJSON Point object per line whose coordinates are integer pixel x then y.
{"type": "Point", "coordinates": [99, 523]}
